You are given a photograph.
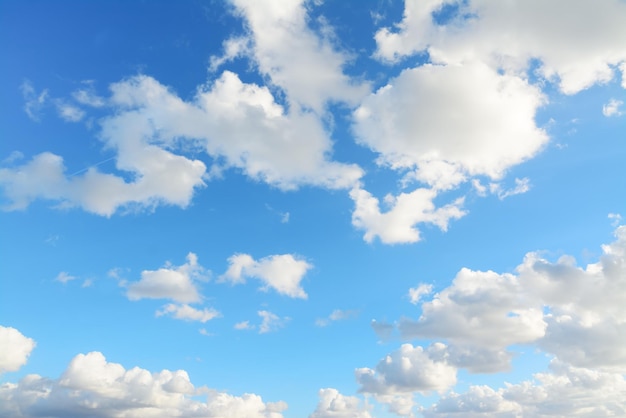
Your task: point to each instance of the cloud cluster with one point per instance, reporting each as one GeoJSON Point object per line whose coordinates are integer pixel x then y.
{"type": "Point", "coordinates": [282, 272]}
{"type": "Point", "coordinates": [510, 35]}
{"type": "Point", "coordinates": [469, 111]}
{"type": "Point", "coordinates": [575, 314]}
{"type": "Point", "coordinates": [93, 387]}
{"type": "Point", "coordinates": [563, 391]}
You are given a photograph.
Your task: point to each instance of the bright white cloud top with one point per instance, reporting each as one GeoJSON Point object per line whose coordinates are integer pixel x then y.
{"type": "Point", "coordinates": [354, 189]}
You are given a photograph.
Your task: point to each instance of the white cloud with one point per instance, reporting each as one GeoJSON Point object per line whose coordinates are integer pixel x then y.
{"type": "Point", "coordinates": [91, 386]}
{"type": "Point", "coordinates": [615, 218]}
{"type": "Point", "coordinates": [169, 282]}
{"type": "Point", "coordinates": [15, 349]}
{"type": "Point", "coordinates": [33, 102]}
{"type": "Point", "coordinates": [270, 322]}
{"type": "Point", "coordinates": [68, 112]}
{"type": "Point", "coordinates": [333, 404]}
{"type": "Point", "coordinates": [88, 98]}
{"type": "Point", "coordinates": [443, 125]}
{"type": "Point", "coordinates": [565, 391]}
{"type": "Point", "coordinates": [239, 125]}
{"type": "Point", "coordinates": [521, 186]}
{"type": "Point", "coordinates": [188, 313]}
{"type": "Point", "coordinates": [336, 315]}
{"type": "Point", "coordinates": [574, 313]}
{"type": "Point", "coordinates": [405, 371]}
{"type": "Point", "coordinates": [283, 272]}
{"type": "Point", "coordinates": [398, 224]}
{"type": "Point", "coordinates": [243, 325]}
{"type": "Point", "coordinates": [479, 309]}
{"type": "Point", "coordinates": [64, 277]}
{"type": "Point", "coordinates": [509, 35]}
{"type": "Point", "coordinates": [416, 293]}
{"type": "Point", "coordinates": [612, 108]}
{"type": "Point", "coordinates": [451, 121]}
{"type": "Point", "coordinates": [307, 67]}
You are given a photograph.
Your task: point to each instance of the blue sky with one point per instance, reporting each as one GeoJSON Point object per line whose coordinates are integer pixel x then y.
{"type": "Point", "coordinates": [313, 209]}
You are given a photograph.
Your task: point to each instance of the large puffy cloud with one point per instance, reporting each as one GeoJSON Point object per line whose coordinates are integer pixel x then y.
{"type": "Point", "coordinates": [306, 66]}
{"type": "Point", "coordinates": [238, 125]}
{"type": "Point", "coordinates": [442, 125]}
{"type": "Point", "coordinates": [509, 35]}
{"type": "Point", "coordinates": [333, 404]}
{"type": "Point", "coordinates": [563, 391]}
{"type": "Point", "coordinates": [449, 121]}
{"type": "Point", "coordinates": [93, 387]}
{"type": "Point", "coordinates": [281, 272]}
{"type": "Point", "coordinates": [577, 314]}
{"type": "Point", "coordinates": [15, 349]}
{"type": "Point", "coordinates": [169, 282]}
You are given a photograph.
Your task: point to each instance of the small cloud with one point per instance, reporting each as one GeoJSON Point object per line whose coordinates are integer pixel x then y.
{"type": "Point", "coordinates": [612, 108]}
{"type": "Point", "coordinates": [203, 331]}
{"type": "Point", "coordinates": [271, 322]}
{"type": "Point", "coordinates": [178, 283]}
{"type": "Point", "coordinates": [244, 325]}
{"type": "Point", "coordinates": [88, 98]}
{"type": "Point", "coordinates": [34, 101]}
{"type": "Point", "coordinates": [281, 272]}
{"type": "Point", "coordinates": [615, 218]}
{"type": "Point", "coordinates": [52, 240]}
{"type": "Point", "coordinates": [13, 157]}
{"type": "Point", "coordinates": [416, 293]}
{"type": "Point", "coordinates": [284, 216]}
{"type": "Point", "coordinates": [87, 283]}
{"type": "Point", "coordinates": [69, 112]}
{"type": "Point", "coordinates": [64, 277]}
{"type": "Point", "coordinates": [188, 313]}
{"type": "Point", "coordinates": [521, 186]}
{"type": "Point", "coordinates": [336, 315]}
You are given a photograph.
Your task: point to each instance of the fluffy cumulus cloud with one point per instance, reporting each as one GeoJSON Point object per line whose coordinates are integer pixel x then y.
{"type": "Point", "coordinates": [574, 313]}
{"type": "Point", "coordinates": [508, 35]}
{"type": "Point", "coordinates": [450, 121]}
{"type": "Point", "coordinates": [15, 349]}
{"type": "Point", "coordinates": [563, 391]}
{"type": "Point", "coordinates": [405, 371]}
{"type": "Point", "coordinates": [333, 404]}
{"type": "Point", "coordinates": [170, 282]}
{"type": "Point", "coordinates": [306, 66]}
{"type": "Point", "coordinates": [282, 273]}
{"type": "Point", "coordinates": [441, 125]}
{"type": "Point", "coordinates": [93, 387]}
{"type": "Point", "coordinates": [236, 123]}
